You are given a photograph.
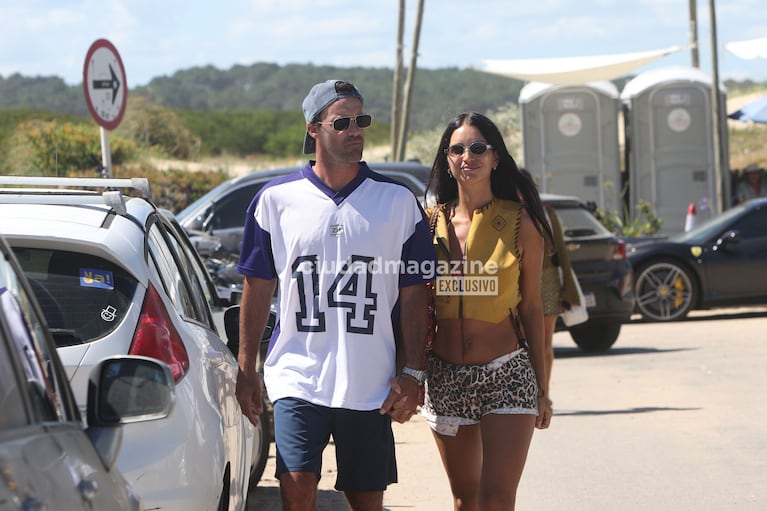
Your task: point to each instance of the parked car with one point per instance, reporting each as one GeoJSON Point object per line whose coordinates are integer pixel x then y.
{"type": "Point", "coordinates": [599, 261]}
{"type": "Point", "coordinates": [49, 459]}
{"type": "Point", "coordinates": [114, 276]}
{"type": "Point", "coordinates": [598, 256]}
{"type": "Point", "coordinates": [722, 262]}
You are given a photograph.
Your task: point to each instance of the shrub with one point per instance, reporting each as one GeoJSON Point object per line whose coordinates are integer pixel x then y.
{"type": "Point", "coordinates": [52, 148]}
{"type": "Point", "coordinates": [645, 223]}
{"type": "Point", "coordinates": [174, 189]}
{"type": "Point", "coordinates": [159, 131]}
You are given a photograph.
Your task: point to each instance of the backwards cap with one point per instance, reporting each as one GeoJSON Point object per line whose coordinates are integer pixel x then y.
{"type": "Point", "coordinates": [321, 96]}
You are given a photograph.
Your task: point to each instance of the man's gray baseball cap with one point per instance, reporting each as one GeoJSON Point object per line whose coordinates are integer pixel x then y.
{"type": "Point", "coordinates": [321, 96]}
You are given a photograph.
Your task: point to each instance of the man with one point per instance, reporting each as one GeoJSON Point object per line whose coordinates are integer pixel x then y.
{"type": "Point", "coordinates": [753, 184]}
{"type": "Point", "coordinates": [350, 252]}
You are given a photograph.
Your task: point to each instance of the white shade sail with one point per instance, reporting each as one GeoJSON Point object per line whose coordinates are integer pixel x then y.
{"type": "Point", "coordinates": [750, 49]}
{"type": "Point", "coordinates": [576, 70]}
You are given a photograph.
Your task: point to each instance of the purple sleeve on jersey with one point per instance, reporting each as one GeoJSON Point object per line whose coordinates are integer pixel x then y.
{"type": "Point", "coordinates": [256, 258]}
{"type": "Point", "coordinates": [418, 252]}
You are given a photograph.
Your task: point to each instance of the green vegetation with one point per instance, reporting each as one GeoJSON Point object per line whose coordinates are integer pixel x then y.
{"type": "Point", "coordinates": [252, 113]}
{"type": "Point", "coordinates": [158, 131]}
{"type": "Point", "coordinates": [437, 95]}
{"type": "Point", "coordinates": [173, 189]}
{"type": "Point", "coordinates": [41, 93]}
{"type": "Point", "coordinates": [242, 133]}
{"type": "Point", "coordinates": [645, 223]}
{"type": "Point", "coordinates": [53, 148]}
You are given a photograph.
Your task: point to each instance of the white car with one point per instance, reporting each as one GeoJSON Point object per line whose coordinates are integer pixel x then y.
{"type": "Point", "coordinates": [115, 275]}
{"type": "Point", "coordinates": [49, 459]}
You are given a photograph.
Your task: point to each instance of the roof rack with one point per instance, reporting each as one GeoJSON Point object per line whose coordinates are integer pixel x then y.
{"type": "Point", "coordinates": [112, 198]}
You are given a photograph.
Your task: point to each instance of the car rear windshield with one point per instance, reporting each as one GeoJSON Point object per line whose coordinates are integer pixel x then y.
{"type": "Point", "coordinates": [83, 297]}
{"type": "Point", "coordinates": [578, 222]}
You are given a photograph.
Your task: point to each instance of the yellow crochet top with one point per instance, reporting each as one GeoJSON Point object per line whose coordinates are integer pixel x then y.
{"type": "Point", "coordinates": [485, 285]}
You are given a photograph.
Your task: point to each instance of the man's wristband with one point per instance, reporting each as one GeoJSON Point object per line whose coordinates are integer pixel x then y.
{"type": "Point", "coordinates": [418, 375]}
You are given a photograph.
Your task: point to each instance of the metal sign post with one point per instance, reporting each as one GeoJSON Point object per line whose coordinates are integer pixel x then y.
{"type": "Point", "coordinates": [106, 92]}
{"type": "Point", "coordinates": [106, 153]}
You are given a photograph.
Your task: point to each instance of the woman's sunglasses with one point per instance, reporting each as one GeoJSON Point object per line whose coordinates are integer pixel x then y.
{"type": "Point", "coordinates": [476, 148]}
{"type": "Point", "coordinates": [342, 123]}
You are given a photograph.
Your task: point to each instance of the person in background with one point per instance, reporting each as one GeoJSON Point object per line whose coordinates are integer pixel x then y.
{"type": "Point", "coordinates": [330, 369]}
{"type": "Point", "coordinates": [753, 184]}
{"type": "Point", "coordinates": [558, 290]}
{"type": "Point", "coordinates": [486, 387]}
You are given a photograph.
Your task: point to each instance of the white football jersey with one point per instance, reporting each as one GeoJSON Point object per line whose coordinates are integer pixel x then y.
{"type": "Point", "coordinates": [340, 258]}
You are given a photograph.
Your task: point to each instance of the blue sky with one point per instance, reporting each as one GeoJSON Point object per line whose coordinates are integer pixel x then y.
{"type": "Point", "coordinates": [159, 37]}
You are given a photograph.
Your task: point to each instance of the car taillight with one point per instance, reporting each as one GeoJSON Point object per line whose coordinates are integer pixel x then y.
{"type": "Point", "coordinates": [156, 337]}
{"type": "Point", "coordinates": [619, 251]}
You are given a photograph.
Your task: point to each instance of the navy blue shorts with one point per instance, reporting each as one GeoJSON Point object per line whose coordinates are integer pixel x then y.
{"type": "Point", "coordinates": [364, 443]}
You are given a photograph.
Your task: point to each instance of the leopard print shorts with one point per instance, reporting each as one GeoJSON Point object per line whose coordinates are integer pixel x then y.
{"type": "Point", "coordinates": [458, 395]}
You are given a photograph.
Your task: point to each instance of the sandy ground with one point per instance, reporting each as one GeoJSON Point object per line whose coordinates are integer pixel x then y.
{"type": "Point", "coordinates": [418, 465]}
{"type": "Point", "coordinates": [668, 418]}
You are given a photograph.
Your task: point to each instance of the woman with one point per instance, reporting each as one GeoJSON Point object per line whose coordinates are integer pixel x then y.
{"type": "Point", "coordinates": [486, 386]}
{"type": "Point", "coordinates": [558, 290]}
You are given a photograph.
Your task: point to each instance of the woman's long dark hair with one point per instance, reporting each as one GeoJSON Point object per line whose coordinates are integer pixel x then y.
{"type": "Point", "coordinates": [506, 181]}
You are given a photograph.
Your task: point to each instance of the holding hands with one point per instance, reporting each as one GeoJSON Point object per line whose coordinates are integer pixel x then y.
{"type": "Point", "coordinates": [402, 402]}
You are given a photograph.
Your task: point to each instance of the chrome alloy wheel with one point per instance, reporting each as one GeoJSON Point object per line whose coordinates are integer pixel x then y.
{"type": "Point", "coordinates": [664, 291]}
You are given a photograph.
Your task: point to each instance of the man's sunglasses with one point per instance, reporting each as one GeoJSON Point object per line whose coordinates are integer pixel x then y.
{"type": "Point", "coordinates": [476, 148]}
{"type": "Point", "coordinates": [342, 123]}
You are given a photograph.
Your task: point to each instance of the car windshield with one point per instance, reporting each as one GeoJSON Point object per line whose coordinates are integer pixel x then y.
{"type": "Point", "coordinates": [194, 206]}
{"type": "Point", "coordinates": [83, 297]}
{"type": "Point", "coordinates": [708, 228]}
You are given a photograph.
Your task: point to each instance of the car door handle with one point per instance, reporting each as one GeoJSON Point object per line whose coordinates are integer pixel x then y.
{"type": "Point", "coordinates": [88, 489]}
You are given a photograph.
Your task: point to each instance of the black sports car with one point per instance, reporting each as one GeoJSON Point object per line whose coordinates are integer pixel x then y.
{"type": "Point", "coordinates": [722, 262]}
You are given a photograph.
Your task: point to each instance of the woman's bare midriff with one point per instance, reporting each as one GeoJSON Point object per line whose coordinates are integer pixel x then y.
{"type": "Point", "coordinates": [480, 343]}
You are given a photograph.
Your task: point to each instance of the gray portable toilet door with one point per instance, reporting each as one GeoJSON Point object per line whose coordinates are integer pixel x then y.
{"type": "Point", "coordinates": [571, 143]}
{"type": "Point", "coordinates": [680, 155]}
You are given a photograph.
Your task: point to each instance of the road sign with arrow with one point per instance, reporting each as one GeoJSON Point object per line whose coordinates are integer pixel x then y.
{"type": "Point", "coordinates": [104, 84]}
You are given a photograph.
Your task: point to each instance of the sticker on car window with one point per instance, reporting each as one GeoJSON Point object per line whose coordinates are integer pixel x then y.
{"type": "Point", "coordinates": [109, 313]}
{"type": "Point", "coordinates": [93, 277]}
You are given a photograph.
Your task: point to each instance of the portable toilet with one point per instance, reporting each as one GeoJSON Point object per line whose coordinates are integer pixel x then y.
{"type": "Point", "coordinates": [670, 144]}
{"type": "Point", "coordinates": [570, 140]}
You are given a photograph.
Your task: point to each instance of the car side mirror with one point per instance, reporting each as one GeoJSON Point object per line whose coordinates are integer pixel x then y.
{"type": "Point", "coordinates": [232, 327]}
{"type": "Point", "coordinates": [121, 390]}
{"type": "Point", "coordinates": [127, 389]}
{"type": "Point", "coordinates": [727, 239]}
